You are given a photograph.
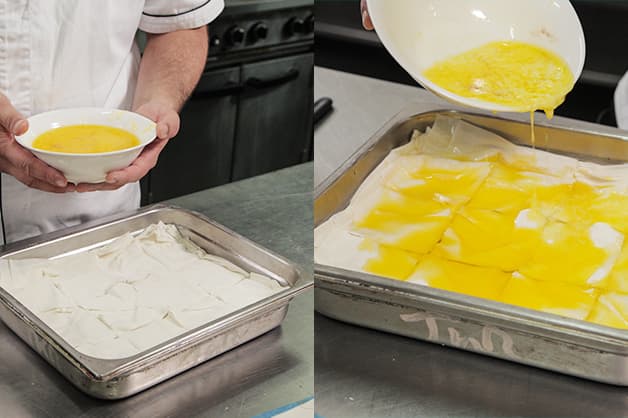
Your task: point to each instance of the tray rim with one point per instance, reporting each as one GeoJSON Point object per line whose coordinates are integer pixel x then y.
{"type": "Point", "coordinates": [106, 370]}
{"type": "Point", "coordinates": [324, 274]}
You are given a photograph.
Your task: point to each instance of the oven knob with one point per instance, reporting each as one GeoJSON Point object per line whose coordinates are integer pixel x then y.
{"type": "Point", "coordinates": [215, 42]}
{"type": "Point", "coordinates": [258, 31]}
{"type": "Point", "coordinates": [294, 26]}
{"type": "Point", "coordinates": [309, 24]}
{"type": "Point", "coordinates": [235, 35]}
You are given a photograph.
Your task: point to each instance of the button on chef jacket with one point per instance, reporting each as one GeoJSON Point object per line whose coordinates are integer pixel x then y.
{"type": "Point", "coordinates": [70, 53]}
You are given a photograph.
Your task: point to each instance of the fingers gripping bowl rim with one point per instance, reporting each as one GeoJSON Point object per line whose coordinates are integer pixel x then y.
{"type": "Point", "coordinates": [93, 167]}
{"type": "Point", "coordinates": [420, 33]}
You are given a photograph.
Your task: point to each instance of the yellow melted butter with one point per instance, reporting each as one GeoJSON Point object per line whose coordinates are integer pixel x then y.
{"type": "Point", "coordinates": [611, 310]}
{"type": "Point", "coordinates": [409, 223]}
{"type": "Point", "coordinates": [446, 181]}
{"type": "Point", "coordinates": [509, 190]}
{"type": "Point", "coordinates": [519, 75]}
{"type": "Point", "coordinates": [427, 183]}
{"type": "Point", "coordinates": [481, 282]}
{"type": "Point", "coordinates": [554, 297]}
{"type": "Point", "coordinates": [565, 254]}
{"type": "Point", "coordinates": [511, 236]}
{"type": "Point", "coordinates": [390, 261]}
{"type": "Point", "coordinates": [490, 239]}
{"type": "Point", "coordinates": [85, 139]}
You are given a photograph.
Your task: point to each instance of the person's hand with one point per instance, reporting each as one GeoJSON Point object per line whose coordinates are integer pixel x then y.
{"type": "Point", "coordinates": [21, 163]}
{"type": "Point", "coordinates": [167, 120]}
{"type": "Point", "coordinates": [366, 19]}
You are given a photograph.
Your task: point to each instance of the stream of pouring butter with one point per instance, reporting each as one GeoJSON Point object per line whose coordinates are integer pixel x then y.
{"type": "Point", "coordinates": [518, 75]}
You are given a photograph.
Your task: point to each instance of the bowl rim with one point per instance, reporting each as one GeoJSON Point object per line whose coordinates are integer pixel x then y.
{"type": "Point", "coordinates": [98, 110]}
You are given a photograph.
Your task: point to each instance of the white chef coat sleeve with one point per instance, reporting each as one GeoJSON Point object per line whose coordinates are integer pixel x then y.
{"type": "Point", "coordinates": [161, 16]}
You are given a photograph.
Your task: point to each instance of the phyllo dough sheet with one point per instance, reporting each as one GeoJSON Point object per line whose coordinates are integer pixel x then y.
{"type": "Point", "coordinates": [462, 209]}
{"type": "Point", "coordinates": [133, 293]}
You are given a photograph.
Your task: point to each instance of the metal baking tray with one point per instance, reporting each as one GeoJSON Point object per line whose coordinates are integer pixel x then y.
{"type": "Point", "coordinates": [548, 341]}
{"type": "Point", "coordinates": [114, 379]}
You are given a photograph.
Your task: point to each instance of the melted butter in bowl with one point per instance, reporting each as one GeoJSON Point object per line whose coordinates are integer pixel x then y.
{"type": "Point", "coordinates": [518, 75]}
{"type": "Point", "coordinates": [85, 139]}
{"type": "Point", "coordinates": [87, 143]}
{"type": "Point", "coordinates": [483, 53]}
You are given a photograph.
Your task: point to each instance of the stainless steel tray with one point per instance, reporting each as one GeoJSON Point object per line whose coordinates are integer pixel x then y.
{"type": "Point", "coordinates": [508, 332]}
{"type": "Point", "coordinates": [114, 379]}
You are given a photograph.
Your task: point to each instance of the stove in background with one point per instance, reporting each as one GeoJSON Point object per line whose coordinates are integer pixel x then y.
{"type": "Point", "coordinates": [251, 112]}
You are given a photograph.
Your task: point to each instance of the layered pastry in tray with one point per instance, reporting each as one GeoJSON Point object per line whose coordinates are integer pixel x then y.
{"type": "Point", "coordinates": [462, 209]}
{"type": "Point", "coordinates": [133, 293]}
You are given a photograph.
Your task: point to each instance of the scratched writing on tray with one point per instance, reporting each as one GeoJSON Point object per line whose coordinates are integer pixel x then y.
{"type": "Point", "coordinates": [483, 343]}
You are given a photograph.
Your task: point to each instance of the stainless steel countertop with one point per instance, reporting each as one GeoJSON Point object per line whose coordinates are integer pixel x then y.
{"type": "Point", "coordinates": [361, 106]}
{"type": "Point", "coordinates": [271, 371]}
{"type": "Point", "coordinates": [365, 373]}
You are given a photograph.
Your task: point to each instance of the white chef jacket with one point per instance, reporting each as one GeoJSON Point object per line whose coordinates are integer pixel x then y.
{"type": "Point", "coordinates": [67, 53]}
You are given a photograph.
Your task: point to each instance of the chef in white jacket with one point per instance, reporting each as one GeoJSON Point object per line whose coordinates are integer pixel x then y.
{"type": "Point", "coordinates": [69, 53]}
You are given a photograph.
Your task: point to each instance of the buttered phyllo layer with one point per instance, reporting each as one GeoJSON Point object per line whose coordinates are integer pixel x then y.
{"type": "Point", "coordinates": [461, 209]}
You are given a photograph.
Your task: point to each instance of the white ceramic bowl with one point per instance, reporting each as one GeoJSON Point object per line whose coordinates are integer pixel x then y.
{"type": "Point", "coordinates": [419, 33]}
{"type": "Point", "coordinates": [88, 168]}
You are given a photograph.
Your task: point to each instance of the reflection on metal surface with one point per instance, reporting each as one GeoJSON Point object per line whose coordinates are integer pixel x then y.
{"type": "Point", "coordinates": [225, 376]}
{"type": "Point", "coordinates": [391, 376]}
